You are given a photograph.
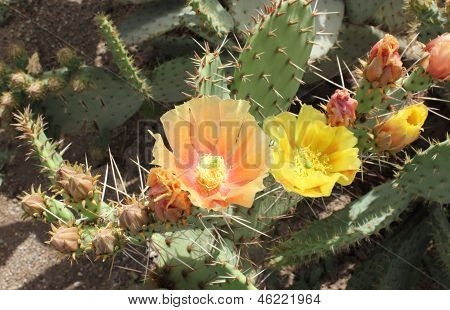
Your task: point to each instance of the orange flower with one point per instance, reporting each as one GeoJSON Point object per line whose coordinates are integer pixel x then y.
{"type": "Point", "coordinates": [341, 109]}
{"type": "Point", "coordinates": [219, 153]}
{"type": "Point", "coordinates": [167, 199]}
{"type": "Point", "coordinates": [401, 129]}
{"type": "Point", "coordinates": [384, 65]}
{"type": "Point", "coordinates": [437, 63]}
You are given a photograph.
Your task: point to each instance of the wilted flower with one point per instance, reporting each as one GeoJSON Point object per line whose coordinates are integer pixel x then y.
{"type": "Point", "coordinates": [167, 199]}
{"type": "Point", "coordinates": [437, 62]}
{"type": "Point", "coordinates": [341, 109]}
{"type": "Point", "coordinates": [308, 156]}
{"type": "Point", "coordinates": [65, 239]}
{"type": "Point", "coordinates": [219, 151]}
{"type": "Point", "coordinates": [133, 216]}
{"type": "Point", "coordinates": [384, 65]}
{"type": "Point", "coordinates": [401, 129]}
{"type": "Point", "coordinates": [105, 241]}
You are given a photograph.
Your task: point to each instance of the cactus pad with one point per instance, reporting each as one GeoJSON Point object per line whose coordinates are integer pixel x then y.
{"type": "Point", "coordinates": [272, 62]}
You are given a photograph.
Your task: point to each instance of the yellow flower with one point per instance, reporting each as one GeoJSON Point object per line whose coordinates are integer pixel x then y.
{"type": "Point", "coordinates": [401, 129]}
{"type": "Point", "coordinates": [308, 156]}
{"type": "Point", "coordinates": [218, 151]}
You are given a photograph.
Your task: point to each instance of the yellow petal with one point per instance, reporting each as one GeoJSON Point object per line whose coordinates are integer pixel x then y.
{"type": "Point", "coordinates": [307, 114]}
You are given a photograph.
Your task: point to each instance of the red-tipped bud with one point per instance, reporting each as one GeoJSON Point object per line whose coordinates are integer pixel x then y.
{"type": "Point", "coordinates": [341, 109]}
{"type": "Point", "coordinates": [384, 65]}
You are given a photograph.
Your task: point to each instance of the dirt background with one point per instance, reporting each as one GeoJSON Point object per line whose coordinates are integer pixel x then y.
{"type": "Point", "coordinates": [26, 262]}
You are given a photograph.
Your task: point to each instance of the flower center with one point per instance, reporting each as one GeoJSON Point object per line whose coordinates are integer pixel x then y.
{"type": "Point", "coordinates": [307, 161]}
{"type": "Point", "coordinates": [211, 171]}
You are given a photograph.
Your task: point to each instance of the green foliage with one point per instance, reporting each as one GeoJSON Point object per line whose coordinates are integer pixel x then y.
{"type": "Point", "coordinates": [272, 62]}
{"type": "Point", "coordinates": [418, 81]}
{"type": "Point", "coordinates": [391, 267]}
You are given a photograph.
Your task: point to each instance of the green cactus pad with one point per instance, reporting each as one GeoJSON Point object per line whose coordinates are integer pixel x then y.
{"type": "Point", "coordinates": [168, 80]}
{"type": "Point", "coordinates": [151, 20]}
{"type": "Point", "coordinates": [391, 16]}
{"type": "Point", "coordinates": [263, 214]}
{"type": "Point", "coordinates": [328, 24]}
{"type": "Point", "coordinates": [274, 58]}
{"type": "Point", "coordinates": [426, 175]}
{"type": "Point", "coordinates": [210, 79]}
{"type": "Point", "coordinates": [358, 11]}
{"type": "Point", "coordinates": [418, 81]}
{"type": "Point", "coordinates": [213, 15]}
{"type": "Point", "coordinates": [362, 218]}
{"type": "Point", "coordinates": [193, 259]}
{"type": "Point", "coordinates": [57, 210]}
{"type": "Point", "coordinates": [390, 267]}
{"type": "Point", "coordinates": [368, 97]}
{"type": "Point", "coordinates": [243, 11]}
{"type": "Point", "coordinates": [440, 234]}
{"type": "Point", "coordinates": [107, 102]}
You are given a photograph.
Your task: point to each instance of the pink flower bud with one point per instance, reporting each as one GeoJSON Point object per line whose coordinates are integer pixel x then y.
{"type": "Point", "coordinates": [341, 109]}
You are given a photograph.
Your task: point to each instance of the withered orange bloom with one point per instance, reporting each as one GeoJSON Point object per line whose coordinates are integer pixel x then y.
{"type": "Point", "coordinates": [167, 199]}
{"type": "Point", "coordinates": [218, 151]}
{"type": "Point", "coordinates": [437, 63]}
{"type": "Point", "coordinates": [384, 65]}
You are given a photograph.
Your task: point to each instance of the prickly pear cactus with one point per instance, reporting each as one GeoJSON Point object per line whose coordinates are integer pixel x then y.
{"type": "Point", "coordinates": [271, 65]}
{"type": "Point", "coordinates": [213, 15]}
{"type": "Point", "coordinates": [104, 102]}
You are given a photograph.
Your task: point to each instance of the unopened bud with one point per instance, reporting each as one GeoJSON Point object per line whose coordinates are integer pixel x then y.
{"type": "Point", "coordinates": [34, 65]}
{"type": "Point", "coordinates": [105, 241]}
{"type": "Point", "coordinates": [133, 217]}
{"type": "Point", "coordinates": [19, 81]}
{"type": "Point", "coordinates": [33, 204]}
{"type": "Point", "coordinates": [341, 109]}
{"type": "Point", "coordinates": [65, 239]}
{"type": "Point", "coordinates": [55, 83]}
{"type": "Point", "coordinates": [67, 57]}
{"type": "Point", "coordinates": [437, 62]}
{"type": "Point", "coordinates": [36, 90]}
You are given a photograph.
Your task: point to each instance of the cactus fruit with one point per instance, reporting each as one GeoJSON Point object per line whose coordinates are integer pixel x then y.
{"type": "Point", "coordinates": [271, 64]}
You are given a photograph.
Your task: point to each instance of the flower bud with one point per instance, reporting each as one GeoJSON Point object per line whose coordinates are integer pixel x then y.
{"type": "Point", "coordinates": [34, 65]}
{"type": "Point", "coordinates": [167, 200]}
{"type": "Point", "coordinates": [79, 85]}
{"type": "Point", "coordinates": [65, 239]}
{"type": "Point", "coordinates": [384, 65]}
{"type": "Point", "coordinates": [55, 83]}
{"type": "Point", "coordinates": [19, 81]}
{"type": "Point", "coordinates": [7, 99]}
{"type": "Point", "coordinates": [33, 204]}
{"type": "Point", "coordinates": [341, 109]}
{"type": "Point", "coordinates": [76, 183]}
{"type": "Point", "coordinates": [133, 217]}
{"type": "Point", "coordinates": [36, 90]}
{"type": "Point", "coordinates": [437, 61]}
{"type": "Point", "coordinates": [401, 129]}
{"type": "Point", "coordinates": [67, 57]}
{"type": "Point", "coordinates": [81, 186]}
{"type": "Point", "coordinates": [105, 241]}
